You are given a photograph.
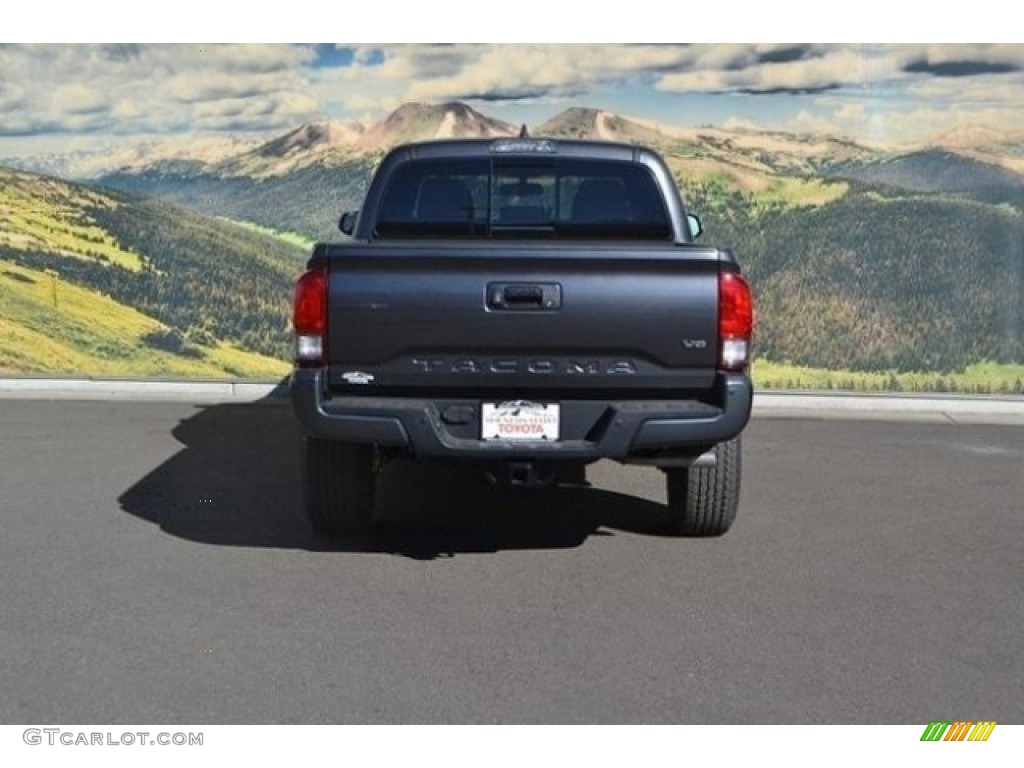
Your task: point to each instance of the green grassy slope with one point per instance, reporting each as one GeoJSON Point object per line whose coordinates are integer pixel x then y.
{"type": "Point", "coordinates": [48, 326]}
{"type": "Point", "coordinates": [978, 378]}
{"type": "Point", "coordinates": [100, 282]}
{"type": "Point", "coordinates": [46, 214]}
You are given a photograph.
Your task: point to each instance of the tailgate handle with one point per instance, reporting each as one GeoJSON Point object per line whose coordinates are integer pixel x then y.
{"type": "Point", "coordinates": [524, 296]}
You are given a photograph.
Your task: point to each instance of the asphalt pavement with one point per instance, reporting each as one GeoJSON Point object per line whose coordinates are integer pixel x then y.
{"type": "Point", "coordinates": [156, 568]}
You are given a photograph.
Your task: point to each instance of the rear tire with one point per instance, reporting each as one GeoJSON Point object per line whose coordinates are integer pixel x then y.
{"type": "Point", "coordinates": [702, 501]}
{"type": "Point", "coordinates": [339, 485]}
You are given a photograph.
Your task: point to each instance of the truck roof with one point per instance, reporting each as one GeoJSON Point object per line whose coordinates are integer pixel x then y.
{"type": "Point", "coordinates": [520, 146]}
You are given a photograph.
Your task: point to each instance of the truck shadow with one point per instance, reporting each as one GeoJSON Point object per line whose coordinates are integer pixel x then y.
{"type": "Point", "coordinates": [236, 482]}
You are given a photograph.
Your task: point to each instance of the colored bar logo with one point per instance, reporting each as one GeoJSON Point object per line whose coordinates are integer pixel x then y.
{"type": "Point", "coordinates": [961, 730]}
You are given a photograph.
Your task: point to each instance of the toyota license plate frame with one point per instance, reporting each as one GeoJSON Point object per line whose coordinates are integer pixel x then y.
{"type": "Point", "coordinates": [520, 421]}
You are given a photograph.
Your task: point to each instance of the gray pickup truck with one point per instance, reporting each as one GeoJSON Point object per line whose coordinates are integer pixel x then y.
{"type": "Point", "coordinates": [530, 306]}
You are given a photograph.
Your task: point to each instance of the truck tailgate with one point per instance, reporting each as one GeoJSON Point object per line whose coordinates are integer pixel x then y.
{"type": "Point", "coordinates": [521, 317]}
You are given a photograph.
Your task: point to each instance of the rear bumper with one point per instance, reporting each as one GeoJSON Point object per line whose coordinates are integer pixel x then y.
{"type": "Point", "coordinates": [593, 429]}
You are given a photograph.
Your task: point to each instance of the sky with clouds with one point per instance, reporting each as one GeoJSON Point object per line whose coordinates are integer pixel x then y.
{"type": "Point", "coordinates": [56, 97]}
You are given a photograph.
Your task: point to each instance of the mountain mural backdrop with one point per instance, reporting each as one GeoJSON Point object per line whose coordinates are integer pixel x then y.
{"type": "Point", "coordinates": [171, 259]}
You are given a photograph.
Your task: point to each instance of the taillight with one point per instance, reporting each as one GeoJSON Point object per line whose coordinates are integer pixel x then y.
{"type": "Point", "coordinates": [735, 321]}
{"type": "Point", "coordinates": [309, 317]}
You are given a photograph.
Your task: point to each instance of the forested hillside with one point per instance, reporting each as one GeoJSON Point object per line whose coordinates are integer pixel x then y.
{"type": "Point", "coordinates": [876, 283]}
{"type": "Point", "coordinates": [202, 283]}
{"type": "Point", "coordinates": [931, 171]}
{"type": "Point", "coordinates": [308, 201]}
{"type": "Point", "coordinates": [881, 279]}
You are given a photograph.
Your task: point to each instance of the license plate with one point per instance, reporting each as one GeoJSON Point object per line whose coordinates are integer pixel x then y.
{"type": "Point", "coordinates": [520, 420]}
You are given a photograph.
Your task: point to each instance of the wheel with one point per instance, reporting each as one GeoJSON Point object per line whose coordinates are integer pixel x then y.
{"type": "Point", "coordinates": [339, 484]}
{"type": "Point", "coordinates": [702, 501]}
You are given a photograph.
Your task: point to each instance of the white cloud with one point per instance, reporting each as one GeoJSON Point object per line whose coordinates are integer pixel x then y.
{"type": "Point", "coordinates": [261, 58]}
{"type": "Point", "coordinates": [78, 99]}
{"type": "Point", "coordinates": [188, 88]}
{"type": "Point", "coordinates": [851, 113]}
{"type": "Point", "coordinates": [741, 124]}
{"type": "Point", "coordinates": [807, 122]}
{"type": "Point", "coordinates": [992, 53]}
{"type": "Point", "coordinates": [12, 97]}
{"type": "Point", "coordinates": [439, 73]}
{"type": "Point", "coordinates": [909, 125]}
{"type": "Point", "coordinates": [982, 89]}
{"type": "Point", "coordinates": [126, 109]}
{"type": "Point", "coordinates": [822, 69]}
{"type": "Point", "coordinates": [127, 89]}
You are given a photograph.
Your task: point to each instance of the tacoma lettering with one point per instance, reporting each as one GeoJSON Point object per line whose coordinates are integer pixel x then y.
{"type": "Point", "coordinates": [512, 366]}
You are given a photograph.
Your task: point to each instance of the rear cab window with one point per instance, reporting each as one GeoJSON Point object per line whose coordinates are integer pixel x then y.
{"type": "Point", "coordinates": [523, 196]}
